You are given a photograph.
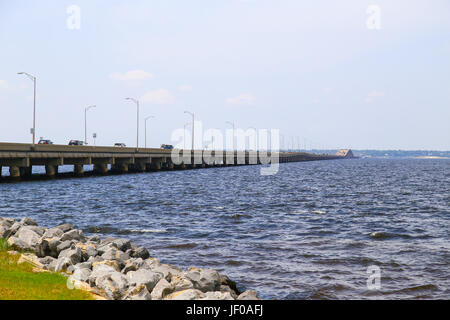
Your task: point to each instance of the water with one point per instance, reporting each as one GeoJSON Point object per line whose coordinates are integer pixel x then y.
{"type": "Point", "coordinates": [309, 232]}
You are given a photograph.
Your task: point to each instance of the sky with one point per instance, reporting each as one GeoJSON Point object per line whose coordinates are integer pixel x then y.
{"type": "Point", "coordinates": [331, 74]}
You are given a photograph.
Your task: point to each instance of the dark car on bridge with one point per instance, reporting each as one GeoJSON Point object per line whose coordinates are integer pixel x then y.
{"type": "Point", "coordinates": [76, 143]}
{"type": "Point", "coordinates": [45, 141]}
{"type": "Point", "coordinates": [167, 146]}
{"type": "Point", "coordinates": [119, 144]}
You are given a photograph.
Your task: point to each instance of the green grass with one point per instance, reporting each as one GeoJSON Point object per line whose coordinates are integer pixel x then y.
{"type": "Point", "coordinates": [20, 282]}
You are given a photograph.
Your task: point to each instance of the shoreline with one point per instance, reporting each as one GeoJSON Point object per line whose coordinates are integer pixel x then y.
{"type": "Point", "coordinates": [113, 268]}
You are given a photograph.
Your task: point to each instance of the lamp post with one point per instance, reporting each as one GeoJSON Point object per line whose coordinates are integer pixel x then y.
{"type": "Point", "coordinates": [232, 123]}
{"type": "Point", "coordinates": [85, 122]}
{"type": "Point", "coordinates": [184, 133]}
{"type": "Point", "coordinates": [137, 121]}
{"type": "Point", "coordinates": [33, 78]}
{"type": "Point", "coordinates": [193, 118]}
{"type": "Point", "coordinates": [149, 117]}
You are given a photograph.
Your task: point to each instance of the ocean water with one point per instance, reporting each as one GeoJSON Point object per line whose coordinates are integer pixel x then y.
{"type": "Point", "coordinates": [309, 232]}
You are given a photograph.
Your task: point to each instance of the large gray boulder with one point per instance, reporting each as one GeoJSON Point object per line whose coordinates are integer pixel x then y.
{"type": "Point", "coordinates": [48, 247]}
{"type": "Point", "coordinates": [63, 264]}
{"type": "Point", "coordinates": [28, 239]}
{"type": "Point", "coordinates": [181, 283]}
{"type": "Point", "coordinates": [81, 274]}
{"type": "Point", "coordinates": [204, 279]}
{"type": "Point", "coordinates": [73, 253]}
{"type": "Point", "coordinates": [98, 271]}
{"type": "Point", "coordinates": [162, 289]}
{"type": "Point", "coordinates": [140, 252]}
{"type": "Point", "coordinates": [64, 245]}
{"type": "Point", "coordinates": [113, 284]}
{"type": "Point", "coordinates": [74, 234]}
{"type": "Point", "coordinates": [146, 277]}
{"type": "Point", "coordinates": [53, 233]}
{"type": "Point", "coordinates": [132, 265]}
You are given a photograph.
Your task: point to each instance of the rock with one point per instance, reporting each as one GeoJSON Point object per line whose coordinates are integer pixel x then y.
{"type": "Point", "coordinates": [115, 254]}
{"type": "Point", "coordinates": [65, 227]}
{"type": "Point", "coordinates": [102, 248]}
{"type": "Point", "coordinates": [190, 294]}
{"type": "Point", "coordinates": [47, 262]}
{"type": "Point", "coordinates": [100, 270]}
{"type": "Point", "coordinates": [64, 245]}
{"type": "Point", "coordinates": [28, 222]}
{"type": "Point", "coordinates": [63, 264]}
{"type": "Point", "coordinates": [122, 244]}
{"type": "Point", "coordinates": [87, 250]}
{"type": "Point", "coordinates": [30, 259]}
{"type": "Point", "coordinates": [224, 280]}
{"type": "Point", "coordinates": [73, 253]}
{"type": "Point", "coordinates": [145, 277]}
{"type": "Point", "coordinates": [224, 288]}
{"type": "Point", "coordinates": [114, 285]}
{"type": "Point", "coordinates": [48, 247]}
{"type": "Point", "coordinates": [84, 265]}
{"type": "Point", "coordinates": [27, 235]}
{"type": "Point", "coordinates": [204, 279]}
{"type": "Point", "coordinates": [94, 239]}
{"type": "Point", "coordinates": [217, 295]}
{"type": "Point", "coordinates": [180, 283]}
{"type": "Point", "coordinates": [74, 234]}
{"type": "Point", "coordinates": [5, 231]}
{"type": "Point", "coordinates": [248, 295]}
{"type": "Point", "coordinates": [138, 293]}
{"type": "Point", "coordinates": [140, 252]}
{"type": "Point", "coordinates": [18, 244]}
{"type": "Point", "coordinates": [81, 274]}
{"type": "Point", "coordinates": [15, 227]}
{"type": "Point", "coordinates": [132, 265]}
{"type": "Point", "coordinates": [53, 233]}
{"type": "Point", "coordinates": [162, 289]}
{"type": "Point", "coordinates": [168, 271]}
{"type": "Point", "coordinates": [111, 263]}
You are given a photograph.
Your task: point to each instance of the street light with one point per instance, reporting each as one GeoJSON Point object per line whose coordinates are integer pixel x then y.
{"type": "Point", "coordinates": [33, 78]}
{"type": "Point", "coordinates": [232, 123]}
{"type": "Point", "coordinates": [149, 117]}
{"type": "Point", "coordinates": [137, 124]}
{"type": "Point", "coordinates": [85, 122]}
{"type": "Point", "coordinates": [192, 127]}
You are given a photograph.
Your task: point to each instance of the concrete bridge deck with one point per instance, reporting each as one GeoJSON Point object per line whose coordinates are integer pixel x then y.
{"type": "Point", "coordinates": [20, 158]}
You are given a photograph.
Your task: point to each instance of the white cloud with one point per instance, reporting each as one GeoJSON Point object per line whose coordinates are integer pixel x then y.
{"type": "Point", "coordinates": [160, 96]}
{"type": "Point", "coordinates": [243, 99]}
{"type": "Point", "coordinates": [185, 88]}
{"type": "Point", "coordinates": [132, 75]}
{"type": "Point", "coordinates": [374, 95]}
{"type": "Point", "coordinates": [3, 85]}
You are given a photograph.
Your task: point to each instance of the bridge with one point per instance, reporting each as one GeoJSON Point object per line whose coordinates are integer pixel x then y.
{"type": "Point", "coordinates": [20, 158]}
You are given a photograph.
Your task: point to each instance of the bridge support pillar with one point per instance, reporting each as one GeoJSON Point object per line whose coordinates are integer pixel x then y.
{"type": "Point", "coordinates": [170, 165]}
{"type": "Point", "coordinates": [51, 170]}
{"type": "Point", "coordinates": [101, 168]}
{"type": "Point", "coordinates": [14, 172]}
{"type": "Point", "coordinates": [121, 167]}
{"type": "Point", "coordinates": [78, 170]}
{"type": "Point", "coordinates": [139, 166]}
{"type": "Point", "coordinates": [155, 165]}
{"type": "Point", "coordinates": [25, 171]}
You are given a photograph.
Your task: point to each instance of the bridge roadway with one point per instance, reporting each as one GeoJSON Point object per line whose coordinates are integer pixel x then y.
{"type": "Point", "coordinates": [21, 157]}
